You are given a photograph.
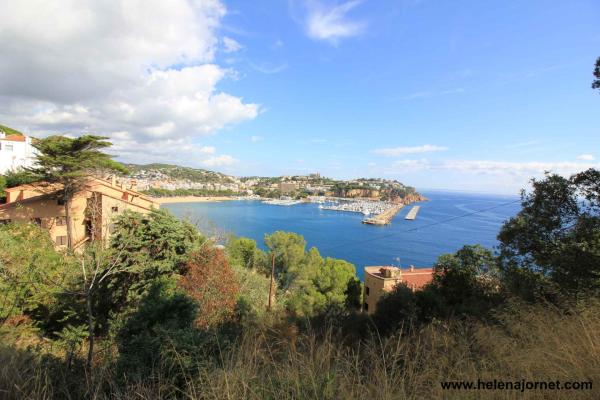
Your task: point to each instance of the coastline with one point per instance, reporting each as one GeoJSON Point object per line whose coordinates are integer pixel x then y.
{"type": "Point", "coordinates": [190, 199]}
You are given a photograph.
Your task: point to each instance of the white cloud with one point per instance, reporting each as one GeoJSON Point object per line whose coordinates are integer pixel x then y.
{"type": "Point", "coordinates": [231, 45]}
{"type": "Point", "coordinates": [486, 167]}
{"type": "Point", "coordinates": [255, 139]}
{"type": "Point", "coordinates": [398, 151]}
{"type": "Point", "coordinates": [269, 69]}
{"type": "Point", "coordinates": [140, 72]}
{"type": "Point", "coordinates": [331, 22]}
{"type": "Point", "coordinates": [219, 161]}
{"type": "Point", "coordinates": [586, 157]}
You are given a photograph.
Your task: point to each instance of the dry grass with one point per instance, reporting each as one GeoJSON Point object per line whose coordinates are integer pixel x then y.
{"type": "Point", "coordinates": [530, 343]}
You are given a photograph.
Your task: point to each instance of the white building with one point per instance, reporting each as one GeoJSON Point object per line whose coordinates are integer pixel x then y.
{"type": "Point", "coordinates": [15, 152]}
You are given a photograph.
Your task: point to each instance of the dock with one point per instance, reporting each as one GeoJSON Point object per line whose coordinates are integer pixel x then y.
{"type": "Point", "coordinates": [412, 214]}
{"type": "Point", "coordinates": [385, 217]}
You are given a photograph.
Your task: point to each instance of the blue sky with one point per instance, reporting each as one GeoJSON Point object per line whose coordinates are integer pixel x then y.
{"type": "Point", "coordinates": [508, 82]}
{"type": "Point", "coordinates": [465, 95]}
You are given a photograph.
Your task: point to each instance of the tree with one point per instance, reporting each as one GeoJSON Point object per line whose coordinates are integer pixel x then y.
{"type": "Point", "coordinates": [146, 247]}
{"type": "Point", "coordinates": [244, 252]}
{"type": "Point", "coordinates": [467, 282]}
{"type": "Point", "coordinates": [596, 81]}
{"type": "Point", "coordinates": [396, 309]}
{"type": "Point", "coordinates": [289, 249]}
{"type": "Point", "coordinates": [554, 241]}
{"type": "Point", "coordinates": [68, 162]}
{"type": "Point", "coordinates": [211, 282]}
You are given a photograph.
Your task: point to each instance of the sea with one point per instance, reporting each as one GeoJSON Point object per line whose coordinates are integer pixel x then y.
{"type": "Point", "coordinates": [445, 223]}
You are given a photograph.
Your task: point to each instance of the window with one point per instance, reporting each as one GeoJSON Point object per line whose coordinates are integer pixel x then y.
{"type": "Point", "coordinates": [8, 147]}
{"type": "Point", "coordinates": [60, 202]}
{"type": "Point", "coordinates": [37, 221]}
{"type": "Point", "coordinates": [114, 209]}
{"type": "Point", "coordinates": [4, 221]}
{"type": "Point", "coordinates": [366, 306]}
{"type": "Point", "coordinates": [61, 221]}
{"type": "Point", "coordinates": [367, 290]}
{"type": "Point", "coordinates": [61, 240]}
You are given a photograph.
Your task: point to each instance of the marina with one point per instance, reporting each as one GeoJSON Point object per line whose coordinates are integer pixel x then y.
{"type": "Point", "coordinates": [385, 217]}
{"type": "Point", "coordinates": [412, 214]}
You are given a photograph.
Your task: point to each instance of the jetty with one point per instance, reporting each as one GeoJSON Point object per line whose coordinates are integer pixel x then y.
{"type": "Point", "coordinates": [412, 214]}
{"type": "Point", "coordinates": [385, 217]}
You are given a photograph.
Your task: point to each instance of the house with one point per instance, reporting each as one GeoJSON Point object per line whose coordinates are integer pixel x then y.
{"type": "Point", "coordinates": [16, 151]}
{"type": "Point", "coordinates": [288, 187]}
{"type": "Point", "coordinates": [91, 211]}
{"type": "Point", "coordinates": [382, 279]}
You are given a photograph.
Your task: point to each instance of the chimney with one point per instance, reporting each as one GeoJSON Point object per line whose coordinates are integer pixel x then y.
{"type": "Point", "coordinates": [412, 268]}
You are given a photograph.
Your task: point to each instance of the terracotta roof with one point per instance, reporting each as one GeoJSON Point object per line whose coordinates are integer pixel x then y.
{"type": "Point", "coordinates": [414, 278]}
{"type": "Point", "coordinates": [14, 138]}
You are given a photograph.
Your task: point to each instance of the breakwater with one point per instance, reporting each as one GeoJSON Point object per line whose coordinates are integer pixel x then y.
{"type": "Point", "coordinates": [385, 217]}
{"type": "Point", "coordinates": [412, 214]}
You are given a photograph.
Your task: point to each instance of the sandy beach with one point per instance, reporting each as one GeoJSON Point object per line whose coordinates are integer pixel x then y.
{"type": "Point", "coordinates": [189, 199]}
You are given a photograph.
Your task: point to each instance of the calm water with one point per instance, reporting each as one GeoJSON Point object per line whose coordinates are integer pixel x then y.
{"type": "Point", "coordinates": [342, 235]}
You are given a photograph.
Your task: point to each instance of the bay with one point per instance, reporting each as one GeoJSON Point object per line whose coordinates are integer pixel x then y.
{"type": "Point", "coordinates": [445, 223]}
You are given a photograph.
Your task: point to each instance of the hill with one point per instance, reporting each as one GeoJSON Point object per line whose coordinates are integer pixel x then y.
{"type": "Point", "coordinates": [176, 172]}
{"type": "Point", "coordinates": [10, 131]}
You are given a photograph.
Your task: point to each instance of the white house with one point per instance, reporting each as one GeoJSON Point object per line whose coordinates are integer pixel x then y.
{"type": "Point", "coordinates": [15, 152]}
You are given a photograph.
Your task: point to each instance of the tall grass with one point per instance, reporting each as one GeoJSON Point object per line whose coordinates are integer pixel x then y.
{"type": "Point", "coordinates": [531, 343]}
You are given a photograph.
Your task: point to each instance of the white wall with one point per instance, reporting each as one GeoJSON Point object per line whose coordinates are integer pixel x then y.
{"type": "Point", "coordinates": [21, 155]}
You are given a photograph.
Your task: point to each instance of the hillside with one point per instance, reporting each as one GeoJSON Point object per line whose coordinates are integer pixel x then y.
{"type": "Point", "coordinates": [10, 131]}
{"type": "Point", "coordinates": [176, 172]}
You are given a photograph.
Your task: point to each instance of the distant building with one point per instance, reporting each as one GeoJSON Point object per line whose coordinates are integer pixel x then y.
{"type": "Point", "coordinates": [91, 211]}
{"type": "Point", "coordinates": [288, 187]}
{"type": "Point", "coordinates": [16, 152]}
{"type": "Point", "coordinates": [379, 280]}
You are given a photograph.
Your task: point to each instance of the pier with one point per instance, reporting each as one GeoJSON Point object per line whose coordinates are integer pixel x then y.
{"type": "Point", "coordinates": [385, 217]}
{"type": "Point", "coordinates": [412, 214]}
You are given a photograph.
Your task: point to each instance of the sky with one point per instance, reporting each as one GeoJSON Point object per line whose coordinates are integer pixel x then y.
{"type": "Point", "coordinates": [463, 95]}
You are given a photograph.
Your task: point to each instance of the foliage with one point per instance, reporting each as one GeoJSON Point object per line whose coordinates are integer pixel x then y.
{"type": "Point", "coordinates": [146, 247]}
{"type": "Point", "coordinates": [178, 172]}
{"type": "Point", "coordinates": [211, 282]}
{"type": "Point", "coordinates": [156, 192]}
{"type": "Point", "coordinates": [596, 81]}
{"type": "Point", "coordinates": [467, 282]}
{"type": "Point", "coordinates": [160, 333]}
{"type": "Point", "coordinates": [33, 275]}
{"type": "Point", "coordinates": [2, 187]}
{"type": "Point", "coordinates": [310, 282]}
{"type": "Point", "coordinates": [554, 241]}
{"type": "Point", "coordinates": [253, 295]}
{"type": "Point", "coordinates": [396, 309]}
{"type": "Point", "coordinates": [244, 252]}
{"type": "Point", "coordinates": [10, 131]}
{"type": "Point", "coordinates": [69, 162]}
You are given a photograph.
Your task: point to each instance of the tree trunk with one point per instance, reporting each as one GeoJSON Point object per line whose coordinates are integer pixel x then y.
{"type": "Point", "coordinates": [67, 201]}
{"type": "Point", "coordinates": [90, 356]}
{"type": "Point", "coordinates": [272, 284]}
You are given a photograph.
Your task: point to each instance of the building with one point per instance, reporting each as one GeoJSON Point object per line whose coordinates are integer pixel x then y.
{"type": "Point", "coordinates": [16, 152]}
{"type": "Point", "coordinates": [288, 187]}
{"type": "Point", "coordinates": [379, 280]}
{"type": "Point", "coordinates": [91, 211]}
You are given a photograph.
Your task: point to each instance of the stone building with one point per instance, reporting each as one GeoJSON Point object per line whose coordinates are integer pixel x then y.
{"type": "Point", "coordinates": [91, 210]}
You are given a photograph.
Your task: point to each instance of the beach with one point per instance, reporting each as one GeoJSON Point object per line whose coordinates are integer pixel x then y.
{"type": "Point", "coordinates": [190, 199]}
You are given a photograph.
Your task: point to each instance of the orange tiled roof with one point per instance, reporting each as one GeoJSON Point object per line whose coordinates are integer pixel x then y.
{"type": "Point", "coordinates": [14, 138]}
{"type": "Point", "coordinates": [414, 278]}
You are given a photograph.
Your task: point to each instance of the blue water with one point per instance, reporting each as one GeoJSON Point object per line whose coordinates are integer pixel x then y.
{"type": "Point", "coordinates": [342, 235]}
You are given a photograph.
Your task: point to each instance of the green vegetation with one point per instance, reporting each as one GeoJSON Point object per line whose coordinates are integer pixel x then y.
{"type": "Point", "coordinates": [10, 131]}
{"type": "Point", "coordinates": [156, 192]}
{"type": "Point", "coordinates": [69, 162]}
{"type": "Point", "coordinates": [164, 312]}
{"type": "Point", "coordinates": [596, 81]}
{"type": "Point", "coordinates": [177, 172]}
